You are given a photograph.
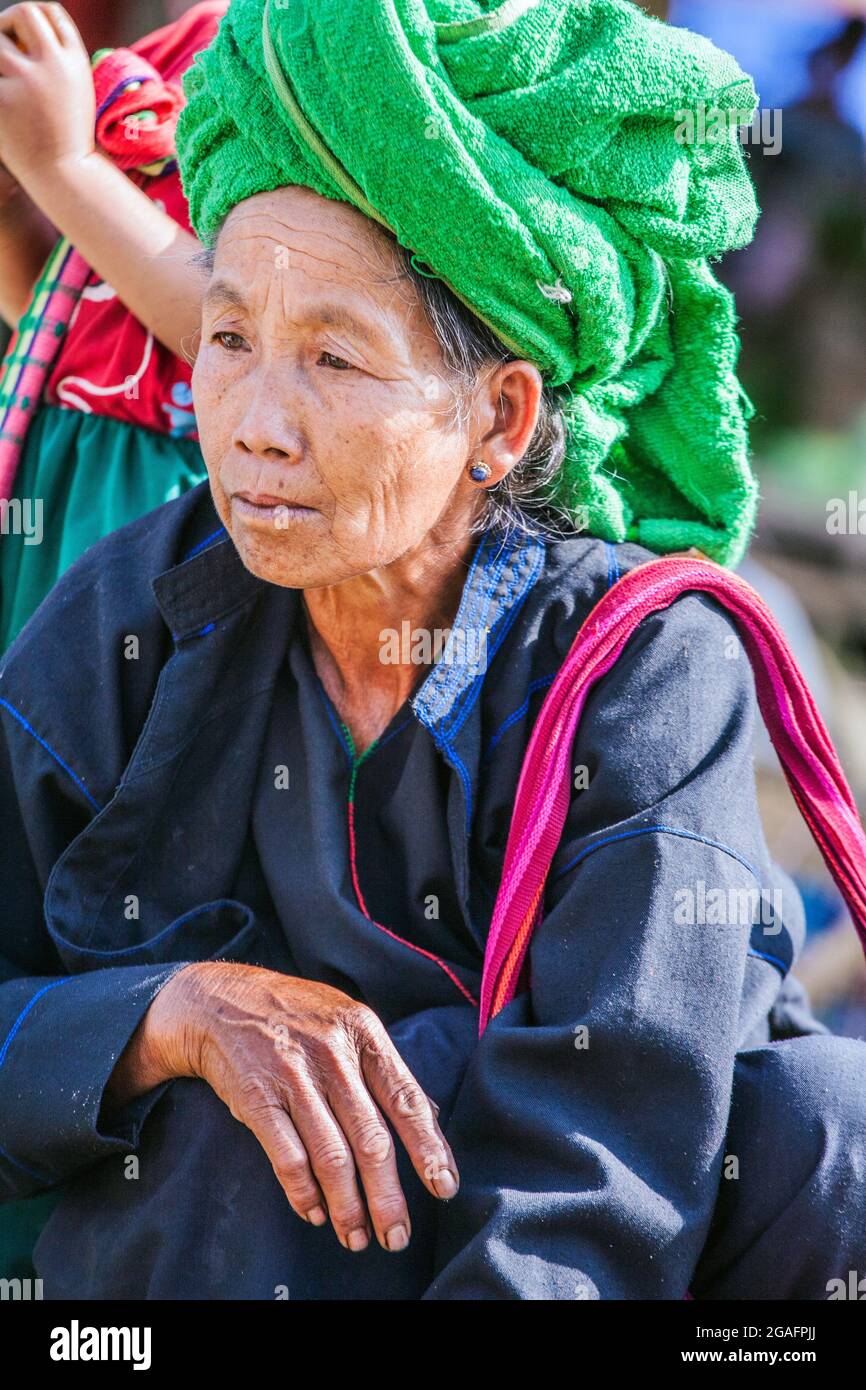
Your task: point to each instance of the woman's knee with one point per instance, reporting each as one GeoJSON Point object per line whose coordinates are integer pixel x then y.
{"type": "Point", "coordinates": [789, 1218]}
{"type": "Point", "coordinates": [811, 1089]}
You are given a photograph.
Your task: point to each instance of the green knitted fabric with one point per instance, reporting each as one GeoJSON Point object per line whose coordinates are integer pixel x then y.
{"type": "Point", "coordinates": [534, 155]}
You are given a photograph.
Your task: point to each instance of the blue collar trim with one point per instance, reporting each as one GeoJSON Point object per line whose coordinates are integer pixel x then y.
{"type": "Point", "coordinates": [501, 575]}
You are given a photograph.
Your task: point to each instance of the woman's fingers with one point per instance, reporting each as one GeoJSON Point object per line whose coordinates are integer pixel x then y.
{"type": "Point", "coordinates": [332, 1161]}
{"type": "Point", "coordinates": [373, 1148]}
{"type": "Point", "coordinates": [305, 1076]}
{"type": "Point", "coordinates": [409, 1109]}
{"type": "Point", "coordinates": [315, 1162]}
{"type": "Point", "coordinates": [272, 1126]}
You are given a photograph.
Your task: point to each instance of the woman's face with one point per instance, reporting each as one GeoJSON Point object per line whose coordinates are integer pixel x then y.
{"type": "Point", "coordinates": [324, 410]}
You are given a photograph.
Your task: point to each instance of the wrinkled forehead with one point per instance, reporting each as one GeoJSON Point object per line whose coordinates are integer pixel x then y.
{"type": "Point", "coordinates": [296, 225]}
{"type": "Point", "coordinates": [292, 246]}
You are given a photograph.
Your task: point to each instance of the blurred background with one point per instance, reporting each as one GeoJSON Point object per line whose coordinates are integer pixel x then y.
{"type": "Point", "coordinates": [801, 296]}
{"type": "Point", "coordinates": [801, 292]}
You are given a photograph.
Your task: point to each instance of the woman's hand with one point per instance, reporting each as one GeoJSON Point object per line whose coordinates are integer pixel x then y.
{"type": "Point", "coordinates": [314, 1075]}
{"type": "Point", "coordinates": [47, 102]}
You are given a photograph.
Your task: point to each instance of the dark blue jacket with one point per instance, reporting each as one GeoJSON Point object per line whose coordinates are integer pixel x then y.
{"type": "Point", "coordinates": [145, 708]}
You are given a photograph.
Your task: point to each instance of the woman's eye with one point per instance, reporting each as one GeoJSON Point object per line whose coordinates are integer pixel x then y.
{"type": "Point", "coordinates": [328, 359]}
{"type": "Point", "coordinates": [232, 342]}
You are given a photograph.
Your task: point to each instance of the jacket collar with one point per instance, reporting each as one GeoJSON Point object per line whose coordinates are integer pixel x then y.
{"type": "Point", "coordinates": [211, 581]}
{"type": "Point", "coordinates": [502, 572]}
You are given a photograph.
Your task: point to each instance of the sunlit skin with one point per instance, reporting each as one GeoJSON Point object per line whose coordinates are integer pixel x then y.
{"type": "Point", "coordinates": [354, 422]}
{"type": "Point", "coordinates": [337, 467]}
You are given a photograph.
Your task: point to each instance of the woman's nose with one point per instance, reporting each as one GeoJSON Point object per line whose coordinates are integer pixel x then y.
{"type": "Point", "coordinates": [264, 427]}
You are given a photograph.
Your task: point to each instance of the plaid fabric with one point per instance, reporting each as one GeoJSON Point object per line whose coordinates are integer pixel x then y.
{"type": "Point", "coordinates": [33, 349]}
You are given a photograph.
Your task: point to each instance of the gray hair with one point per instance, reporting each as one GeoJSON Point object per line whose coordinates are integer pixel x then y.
{"type": "Point", "coordinates": [521, 501]}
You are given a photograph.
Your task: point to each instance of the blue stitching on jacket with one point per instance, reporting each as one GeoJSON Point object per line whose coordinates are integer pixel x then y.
{"type": "Point", "coordinates": [329, 710]}
{"type": "Point", "coordinates": [394, 732]}
{"type": "Point", "coordinates": [202, 545]}
{"type": "Point", "coordinates": [176, 925]}
{"type": "Point", "coordinates": [475, 690]}
{"type": "Point", "coordinates": [25, 1011]}
{"type": "Point", "coordinates": [56, 756]}
{"type": "Point", "coordinates": [686, 835]}
{"type": "Point", "coordinates": [458, 711]}
{"type": "Point", "coordinates": [613, 572]}
{"type": "Point", "coordinates": [442, 681]}
{"type": "Point", "coordinates": [660, 830]}
{"type": "Point", "coordinates": [773, 960]}
{"type": "Point", "coordinates": [31, 1172]}
{"type": "Point", "coordinates": [457, 761]}
{"type": "Point", "coordinates": [479, 604]}
{"type": "Point", "coordinates": [441, 737]}
{"type": "Point", "coordinates": [534, 687]}
{"type": "Point", "coordinates": [203, 631]}
{"type": "Point", "coordinates": [418, 700]}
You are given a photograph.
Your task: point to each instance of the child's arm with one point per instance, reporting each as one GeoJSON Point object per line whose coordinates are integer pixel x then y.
{"type": "Point", "coordinates": [26, 237]}
{"type": "Point", "coordinates": [47, 114]}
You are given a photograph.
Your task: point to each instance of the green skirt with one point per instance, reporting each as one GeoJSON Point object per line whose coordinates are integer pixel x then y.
{"type": "Point", "coordinates": [91, 475]}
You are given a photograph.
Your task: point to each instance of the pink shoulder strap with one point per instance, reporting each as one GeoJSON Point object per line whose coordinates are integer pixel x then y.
{"type": "Point", "coordinates": [543, 794]}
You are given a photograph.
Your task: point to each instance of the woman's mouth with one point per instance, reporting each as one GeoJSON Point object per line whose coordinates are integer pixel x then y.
{"type": "Point", "coordinates": [273, 511]}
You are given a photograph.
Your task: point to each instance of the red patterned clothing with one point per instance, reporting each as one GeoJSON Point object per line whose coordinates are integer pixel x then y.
{"type": "Point", "coordinates": [110, 363]}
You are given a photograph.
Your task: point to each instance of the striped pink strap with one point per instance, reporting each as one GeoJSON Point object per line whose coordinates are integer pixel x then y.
{"type": "Point", "coordinates": [799, 735]}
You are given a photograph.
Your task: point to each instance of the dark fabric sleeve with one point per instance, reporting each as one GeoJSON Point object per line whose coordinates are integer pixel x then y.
{"type": "Point", "coordinates": [62, 1038]}
{"type": "Point", "coordinates": [589, 1129]}
{"type": "Point", "coordinates": [60, 1035]}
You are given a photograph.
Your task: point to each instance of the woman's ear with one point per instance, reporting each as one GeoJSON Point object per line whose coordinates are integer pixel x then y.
{"type": "Point", "coordinates": [512, 399]}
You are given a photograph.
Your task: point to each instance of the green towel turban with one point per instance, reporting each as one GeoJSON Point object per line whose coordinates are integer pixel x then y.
{"type": "Point", "coordinates": [535, 155]}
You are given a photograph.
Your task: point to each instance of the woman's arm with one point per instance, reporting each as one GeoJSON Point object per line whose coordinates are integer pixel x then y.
{"type": "Point", "coordinates": [60, 1032]}
{"type": "Point", "coordinates": [590, 1126]}
{"type": "Point", "coordinates": [85, 1056]}
{"type": "Point", "coordinates": [47, 114]}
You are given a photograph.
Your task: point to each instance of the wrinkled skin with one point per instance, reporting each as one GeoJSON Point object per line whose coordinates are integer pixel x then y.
{"type": "Point", "coordinates": [353, 422]}
{"type": "Point", "coordinates": [314, 1075]}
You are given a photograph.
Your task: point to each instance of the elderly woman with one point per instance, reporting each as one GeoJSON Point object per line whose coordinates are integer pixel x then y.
{"type": "Point", "coordinates": [461, 359]}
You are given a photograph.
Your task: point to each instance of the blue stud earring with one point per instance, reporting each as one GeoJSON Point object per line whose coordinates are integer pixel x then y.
{"type": "Point", "coordinates": [480, 472]}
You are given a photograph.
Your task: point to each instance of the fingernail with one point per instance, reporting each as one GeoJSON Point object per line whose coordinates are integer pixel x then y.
{"type": "Point", "coordinates": [316, 1217]}
{"type": "Point", "coordinates": [445, 1184]}
{"type": "Point", "coordinates": [397, 1238]}
{"type": "Point", "coordinates": [357, 1240]}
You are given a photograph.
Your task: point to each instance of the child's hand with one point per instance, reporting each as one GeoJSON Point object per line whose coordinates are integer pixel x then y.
{"type": "Point", "coordinates": [47, 103]}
